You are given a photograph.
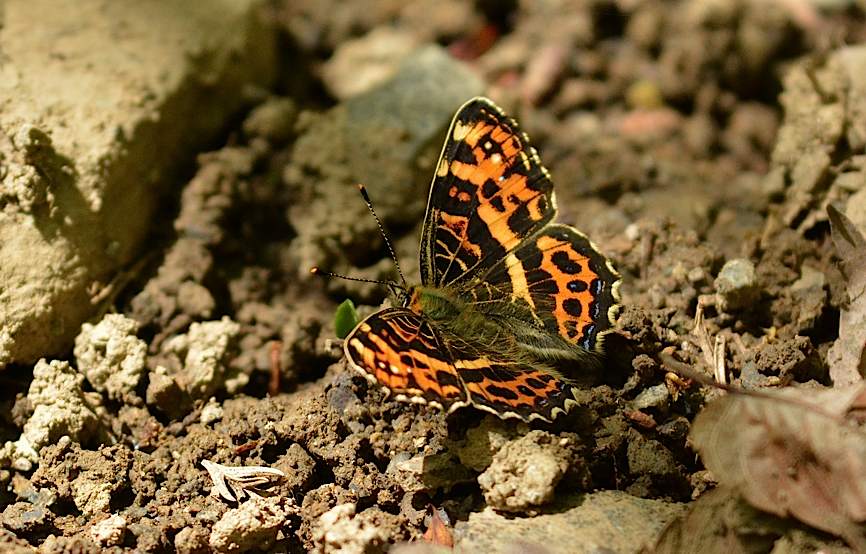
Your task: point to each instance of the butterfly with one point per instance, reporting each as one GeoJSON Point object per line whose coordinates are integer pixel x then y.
{"type": "Point", "coordinates": [510, 305]}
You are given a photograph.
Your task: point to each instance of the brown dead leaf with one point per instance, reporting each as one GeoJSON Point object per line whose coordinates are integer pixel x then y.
{"type": "Point", "coordinates": [847, 356]}
{"type": "Point", "coordinates": [438, 531]}
{"type": "Point", "coordinates": [795, 453]}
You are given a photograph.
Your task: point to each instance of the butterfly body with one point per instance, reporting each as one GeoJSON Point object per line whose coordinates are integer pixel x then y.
{"type": "Point", "coordinates": [506, 330]}
{"type": "Point", "coordinates": [511, 305]}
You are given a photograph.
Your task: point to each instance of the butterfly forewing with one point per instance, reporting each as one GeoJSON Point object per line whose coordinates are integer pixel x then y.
{"type": "Point", "coordinates": [490, 192]}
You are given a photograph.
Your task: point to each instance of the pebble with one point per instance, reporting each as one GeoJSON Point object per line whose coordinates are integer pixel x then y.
{"type": "Point", "coordinates": [736, 285]}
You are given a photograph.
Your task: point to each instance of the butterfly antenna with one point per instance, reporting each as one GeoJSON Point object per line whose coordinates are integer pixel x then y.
{"type": "Point", "coordinates": [318, 272]}
{"type": "Point", "coordinates": [363, 190]}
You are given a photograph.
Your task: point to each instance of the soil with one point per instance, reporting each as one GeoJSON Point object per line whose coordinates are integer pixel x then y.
{"type": "Point", "coordinates": [660, 125]}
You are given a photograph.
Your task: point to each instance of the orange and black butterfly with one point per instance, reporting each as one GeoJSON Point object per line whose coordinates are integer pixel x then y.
{"type": "Point", "coordinates": [510, 304]}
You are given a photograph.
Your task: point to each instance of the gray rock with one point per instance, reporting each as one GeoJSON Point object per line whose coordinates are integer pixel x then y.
{"type": "Point", "coordinates": [379, 138]}
{"type": "Point", "coordinates": [607, 521]}
{"type": "Point", "coordinates": [652, 397]}
{"type": "Point", "coordinates": [736, 285]}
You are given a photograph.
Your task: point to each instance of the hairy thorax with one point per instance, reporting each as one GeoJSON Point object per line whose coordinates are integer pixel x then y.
{"type": "Point", "coordinates": [447, 310]}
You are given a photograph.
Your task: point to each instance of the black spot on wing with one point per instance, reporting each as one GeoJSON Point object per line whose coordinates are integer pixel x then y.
{"type": "Point", "coordinates": [412, 361]}
{"type": "Point", "coordinates": [501, 392]}
{"type": "Point", "coordinates": [534, 383]}
{"type": "Point", "coordinates": [489, 188]}
{"type": "Point", "coordinates": [471, 375]}
{"type": "Point", "coordinates": [521, 220]}
{"type": "Point", "coordinates": [464, 155]}
{"type": "Point", "coordinates": [565, 264]}
{"type": "Point", "coordinates": [573, 307]}
{"type": "Point", "coordinates": [445, 379]}
{"type": "Point", "coordinates": [577, 285]}
{"type": "Point", "coordinates": [526, 391]}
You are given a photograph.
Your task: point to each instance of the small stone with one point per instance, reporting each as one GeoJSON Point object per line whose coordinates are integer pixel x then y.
{"type": "Point", "coordinates": [362, 63]}
{"type": "Point", "coordinates": [696, 275]}
{"type": "Point", "coordinates": [482, 442]}
{"type": "Point", "coordinates": [632, 232]}
{"type": "Point", "coordinates": [23, 517]}
{"type": "Point", "coordinates": [810, 296]}
{"type": "Point", "coordinates": [652, 397]}
{"type": "Point", "coordinates": [341, 530]}
{"type": "Point", "coordinates": [211, 413]}
{"type": "Point", "coordinates": [525, 472]}
{"type": "Point", "coordinates": [251, 526]}
{"type": "Point", "coordinates": [60, 408]}
{"type": "Point", "coordinates": [736, 285]}
{"type": "Point", "coordinates": [109, 531]}
{"type": "Point", "coordinates": [165, 393]}
{"type": "Point", "coordinates": [273, 120]}
{"type": "Point", "coordinates": [206, 350]}
{"type": "Point", "coordinates": [644, 94]}
{"type": "Point", "coordinates": [195, 300]}
{"type": "Point", "coordinates": [427, 472]}
{"type": "Point", "coordinates": [191, 540]}
{"type": "Point", "coordinates": [110, 355]}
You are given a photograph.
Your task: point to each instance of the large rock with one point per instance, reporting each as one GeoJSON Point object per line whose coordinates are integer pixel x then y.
{"type": "Point", "coordinates": [604, 521]}
{"type": "Point", "coordinates": [387, 138]}
{"type": "Point", "coordinates": [100, 103]}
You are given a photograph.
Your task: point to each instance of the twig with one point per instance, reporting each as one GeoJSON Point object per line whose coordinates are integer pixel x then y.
{"type": "Point", "coordinates": [276, 370]}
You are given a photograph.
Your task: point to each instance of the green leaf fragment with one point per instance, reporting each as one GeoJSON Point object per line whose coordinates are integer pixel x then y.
{"type": "Point", "coordinates": [345, 318]}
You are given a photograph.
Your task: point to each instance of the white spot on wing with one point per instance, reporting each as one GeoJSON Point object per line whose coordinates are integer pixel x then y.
{"type": "Point", "coordinates": [460, 130]}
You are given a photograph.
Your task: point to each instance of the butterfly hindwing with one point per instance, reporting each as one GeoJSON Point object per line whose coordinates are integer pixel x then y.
{"type": "Point", "coordinates": [489, 192]}
{"type": "Point", "coordinates": [567, 285]}
{"type": "Point", "coordinates": [513, 389]}
{"type": "Point", "coordinates": [400, 350]}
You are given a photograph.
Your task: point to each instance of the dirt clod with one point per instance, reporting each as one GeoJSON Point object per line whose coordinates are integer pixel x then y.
{"type": "Point", "coordinates": [525, 472]}
{"type": "Point", "coordinates": [252, 525]}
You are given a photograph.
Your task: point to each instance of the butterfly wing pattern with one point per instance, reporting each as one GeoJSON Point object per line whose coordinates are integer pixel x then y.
{"type": "Point", "coordinates": [489, 237]}
{"type": "Point", "coordinates": [490, 191]}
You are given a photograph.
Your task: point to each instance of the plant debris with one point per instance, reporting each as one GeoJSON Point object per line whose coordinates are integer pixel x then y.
{"type": "Point", "coordinates": [847, 356]}
{"type": "Point", "coordinates": [236, 483]}
{"type": "Point", "coordinates": [795, 452]}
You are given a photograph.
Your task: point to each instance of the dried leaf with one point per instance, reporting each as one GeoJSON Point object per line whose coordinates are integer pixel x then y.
{"type": "Point", "coordinates": [847, 356]}
{"type": "Point", "coordinates": [438, 531]}
{"type": "Point", "coordinates": [236, 483]}
{"type": "Point", "coordinates": [792, 453]}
